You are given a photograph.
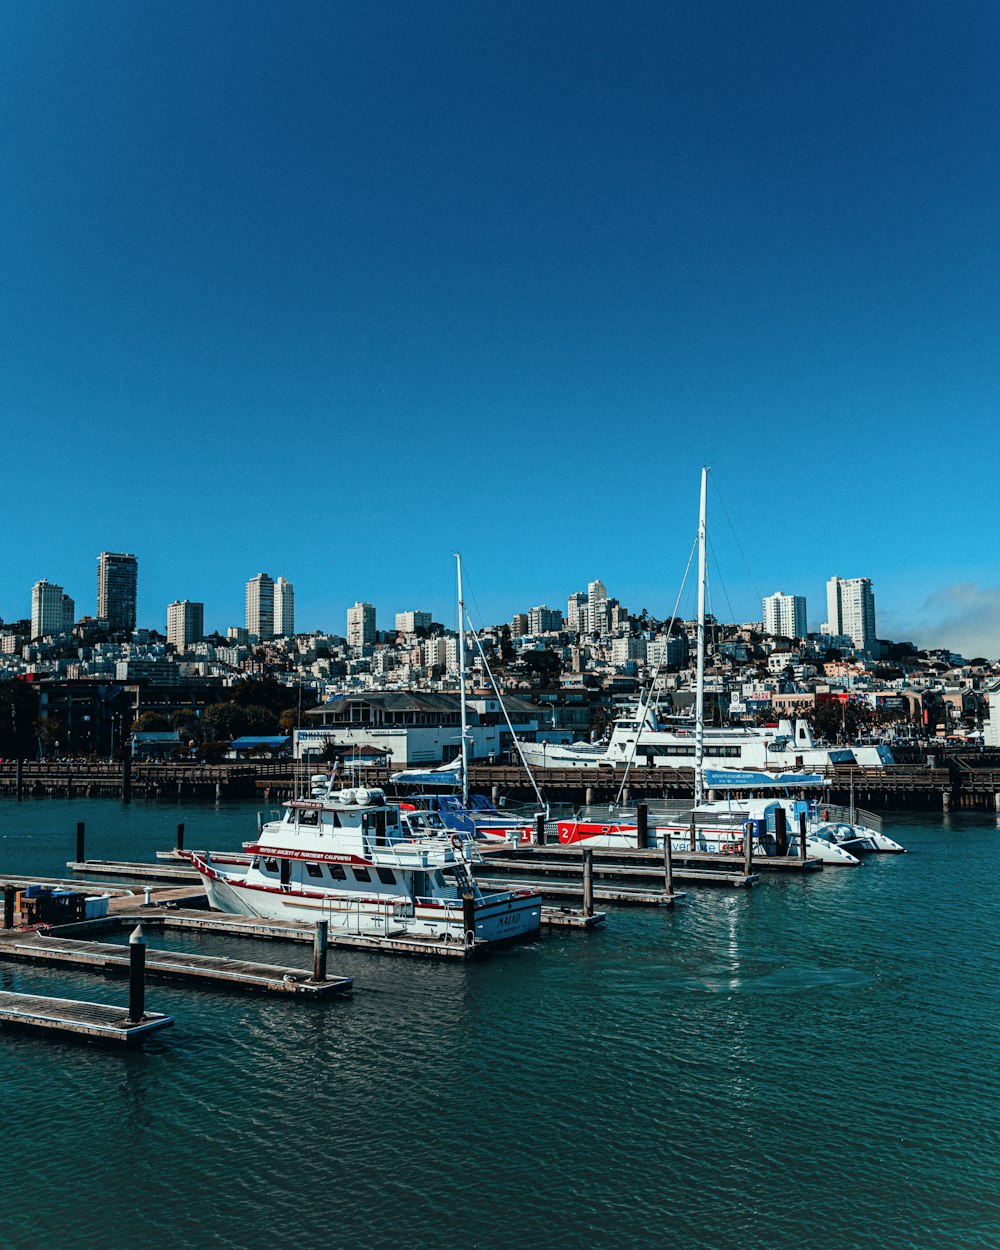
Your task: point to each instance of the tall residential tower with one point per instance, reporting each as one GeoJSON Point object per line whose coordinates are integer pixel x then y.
{"type": "Point", "coordinates": [260, 606]}
{"type": "Point", "coordinates": [850, 610]}
{"type": "Point", "coordinates": [785, 615]}
{"type": "Point", "coordinates": [117, 580]}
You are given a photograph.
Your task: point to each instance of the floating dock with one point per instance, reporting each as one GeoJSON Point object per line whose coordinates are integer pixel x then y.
{"type": "Point", "coordinates": [136, 872]}
{"type": "Point", "coordinates": [210, 971]}
{"type": "Point", "coordinates": [78, 1019]}
{"type": "Point", "coordinates": [641, 871]}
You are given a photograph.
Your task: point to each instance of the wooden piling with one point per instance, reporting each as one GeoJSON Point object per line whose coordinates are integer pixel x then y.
{"type": "Point", "coordinates": [540, 829]}
{"type": "Point", "coordinates": [180, 836]}
{"type": "Point", "coordinates": [9, 895]}
{"type": "Point", "coordinates": [802, 836]}
{"type": "Point", "coordinates": [80, 841]}
{"type": "Point", "coordinates": [137, 975]}
{"type": "Point", "coordinates": [19, 782]}
{"type": "Point", "coordinates": [127, 774]}
{"type": "Point", "coordinates": [668, 863]}
{"type": "Point", "coordinates": [693, 832]}
{"type": "Point", "coordinates": [319, 949]}
{"type": "Point", "coordinates": [748, 848]}
{"type": "Point", "coordinates": [642, 826]}
{"type": "Point", "coordinates": [781, 830]}
{"type": "Point", "coordinates": [588, 882]}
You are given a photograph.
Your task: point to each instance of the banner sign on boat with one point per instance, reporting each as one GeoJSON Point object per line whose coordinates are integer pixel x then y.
{"type": "Point", "coordinates": [735, 779]}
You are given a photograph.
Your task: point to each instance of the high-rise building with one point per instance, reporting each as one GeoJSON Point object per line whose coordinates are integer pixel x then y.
{"type": "Point", "coordinates": [52, 610]}
{"type": "Point", "coordinates": [185, 623]}
{"type": "Point", "coordinates": [410, 622]}
{"type": "Point", "coordinates": [117, 580]}
{"type": "Point", "coordinates": [576, 612]}
{"type": "Point", "coordinates": [543, 620]}
{"type": "Point", "coordinates": [284, 608]}
{"type": "Point", "coordinates": [850, 610]}
{"type": "Point", "coordinates": [260, 606]}
{"type": "Point", "coordinates": [785, 615]}
{"type": "Point", "coordinates": [361, 625]}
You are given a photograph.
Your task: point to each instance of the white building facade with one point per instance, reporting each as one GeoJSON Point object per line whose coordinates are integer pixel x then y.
{"type": "Point", "coordinates": [785, 615]}
{"type": "Point", "coordinates": [850, 610]}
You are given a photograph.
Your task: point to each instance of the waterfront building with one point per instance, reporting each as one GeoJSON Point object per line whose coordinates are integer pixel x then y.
{"type": "Point", "coordinates": [52, 610]}
{"type": "Point", "coordinates": [185, 623]}
{"type": "Point", "coordinates": [785, 615]}
{"type": "Point", "coordinates": [410, 622]}
{"type": "Point", "coordinates": [361, 625]}
{"type": "Point", "coordinates": [850, 610]}
{"type": "Point", "coordinates": [260, 606]}
{"type": "Point", "coordinates": [117, 583]}
{"type": "Point", "coordinates": [284, 608]}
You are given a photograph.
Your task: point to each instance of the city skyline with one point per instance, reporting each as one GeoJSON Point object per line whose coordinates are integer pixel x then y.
{"type": "Point", "coordinates": [507, 276]}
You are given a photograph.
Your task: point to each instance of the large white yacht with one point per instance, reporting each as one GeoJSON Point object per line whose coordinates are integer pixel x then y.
{"type": "Point", "coordinates": [641, 741]}
{"type": "Point", "coordinates": [345, 856]}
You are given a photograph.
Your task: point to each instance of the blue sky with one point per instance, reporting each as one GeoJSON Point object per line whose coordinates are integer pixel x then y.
{"type": "Point", "coordinates": [330, 290]}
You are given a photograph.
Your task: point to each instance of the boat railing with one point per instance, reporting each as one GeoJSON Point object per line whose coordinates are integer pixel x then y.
{"type": "Point", "coordinates": [839, 814]}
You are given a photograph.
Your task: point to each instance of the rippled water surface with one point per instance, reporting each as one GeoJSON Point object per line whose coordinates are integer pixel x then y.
{"type": "Point", "coordinates": [812, 1063]}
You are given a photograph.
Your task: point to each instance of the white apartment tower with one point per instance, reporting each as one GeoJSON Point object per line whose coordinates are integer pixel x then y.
{"type": "Point", "coordinates": [284, 608]}
{"type": "Point", "coordinates": [260, 606]}
{"type": "Point", "coordinates": [576, 612]}
{"type": "Point", "coordinates": [52, 610]}
{"type": "Point", "coordinates": [785, 615]}
{"type": "Point", "coordinates": [185, 623]}
{"type": "Point", "coordinates": [850, 610]}
{"type": "Point", "coordinates": [361, 625]}
{"type": "Point", "coordinates": [410, 622]}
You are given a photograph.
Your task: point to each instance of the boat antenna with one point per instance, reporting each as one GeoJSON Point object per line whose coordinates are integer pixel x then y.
{"type": "Point", "coordinates": [699, 705]}
{"type": "Point", "coordinates": [461, 678]}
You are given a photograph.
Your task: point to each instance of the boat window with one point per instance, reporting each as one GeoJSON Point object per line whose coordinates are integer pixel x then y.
{"type": "Point", "coordinates": [309, 817]}
{"type": "Point", "coordinates": [337, 872]}
{"type": "Point", "coordinates": [314, 870]}
{"type": "Point", "coordinates": [361, 874]}
{"type": "Point", "coordinates": [270, 865]}
{"type": "Point", "coordinates": [386, 876]}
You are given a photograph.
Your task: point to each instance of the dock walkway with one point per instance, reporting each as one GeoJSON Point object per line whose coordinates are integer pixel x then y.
{"type": "Point", "coordinates": [80, 1019]}
{"type": "Point", "coordinates": [211, 971]}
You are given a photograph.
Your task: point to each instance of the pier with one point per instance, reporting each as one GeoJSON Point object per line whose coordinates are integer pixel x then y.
{"type": "Point", "coordinates": [948, 779]}
{"type": "Point", "coordinates": [97, 1021]}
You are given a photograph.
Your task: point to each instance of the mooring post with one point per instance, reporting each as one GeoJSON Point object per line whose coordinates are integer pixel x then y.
{"type": "Point", "coordinates": [588, 881]}
{"type": "Point", "coordinates": [748, 849]}
{"type": "Point", "coordinates": [802, 836]}
{"type": "Point", "coordinates": [668, 863]}
{"type": "Point", "coordinates": [945, 800]}
{"type": "Point", "coordinates": [19, 785]}
{"type": "Point", "coordinates": [539, 829]}
{"type": "Point", "coordinates": [469, 917]}
{"type": "Point", "coordinates": [642, 826]}
{"type": "Point", "coordinates": [127, 774]}
{"type": "Point", "coordinates": [692, 831]}
{"type": "Point", "coordinates": [180, 836]}
{"type": "Point", "coordinates": [80, 842]}
{"type": "Point", "coordinates": [136, 975]}
{"type": "Point", "coordinates": [781, 830]}
{"type": "Point", "coordinates": [319, 949]}
{"type": "Point", "coordinates": [9, 893]}
{"type": "Point", "coordinates": [589, 795]}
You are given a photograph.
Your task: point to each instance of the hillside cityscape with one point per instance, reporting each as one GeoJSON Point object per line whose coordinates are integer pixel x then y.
{"type": "Point", "coordinates": [86, 683]}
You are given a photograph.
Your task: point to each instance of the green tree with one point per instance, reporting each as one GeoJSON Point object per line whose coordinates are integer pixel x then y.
{"type": "Point", "coordinates": [543, 667]}
{"type": "Point", "coordinates": [151, 722]}
{"type": "Point", "coordinates": [264, 692]}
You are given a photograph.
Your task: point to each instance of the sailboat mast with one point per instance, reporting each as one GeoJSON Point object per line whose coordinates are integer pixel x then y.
{"type": "Point", "coordinates": [461, 671]}
{"type": "Point", "coordinates": [699, 705]}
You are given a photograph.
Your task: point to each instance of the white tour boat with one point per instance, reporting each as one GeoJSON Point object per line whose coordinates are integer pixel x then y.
{"type": "Point", "coordinates": [345, 856]}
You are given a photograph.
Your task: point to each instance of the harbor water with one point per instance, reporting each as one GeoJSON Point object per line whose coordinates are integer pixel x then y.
{"type": "Point", "coordinates": [811, 1063]}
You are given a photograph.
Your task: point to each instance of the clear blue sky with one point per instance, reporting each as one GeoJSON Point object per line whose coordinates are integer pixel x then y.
{"type": "Point", "coordinates": [331, 289]}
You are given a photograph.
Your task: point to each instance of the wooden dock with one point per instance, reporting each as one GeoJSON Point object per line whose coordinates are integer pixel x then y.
{"type": "Point", "coordinates": [209, 971]}
{"type": "Point", "coordinates": [639, 870]}
{"type": "Point", "coordinates": [100, 1021]}
{"type": "Point", "coordinates": [163, 871]}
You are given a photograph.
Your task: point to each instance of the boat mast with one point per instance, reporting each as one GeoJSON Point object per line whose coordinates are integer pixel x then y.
{"type": "Point", "coordinates": [699, 705]}
{"type": "Point", "coordinates": [461, 671]}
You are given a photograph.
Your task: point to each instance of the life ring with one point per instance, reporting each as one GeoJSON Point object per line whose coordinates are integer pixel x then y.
{"type": "Point", "coordinates": [456, 841]}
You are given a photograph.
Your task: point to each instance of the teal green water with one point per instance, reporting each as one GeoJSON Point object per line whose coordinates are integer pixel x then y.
{"type": "Point", "coordinates": [809, 1064]}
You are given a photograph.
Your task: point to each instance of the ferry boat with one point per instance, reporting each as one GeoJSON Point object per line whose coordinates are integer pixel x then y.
{"type": "Point", "coordinates": [346, 857]}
